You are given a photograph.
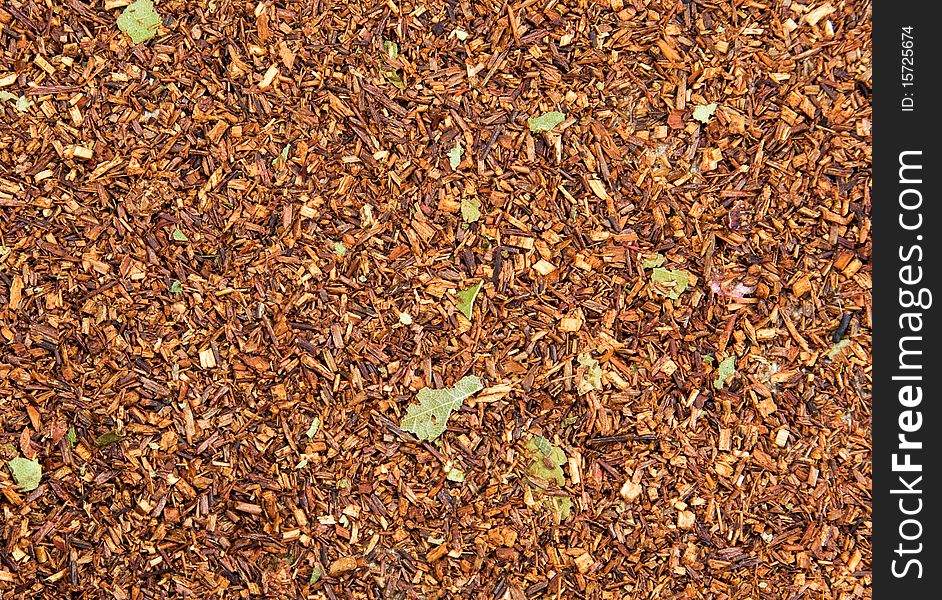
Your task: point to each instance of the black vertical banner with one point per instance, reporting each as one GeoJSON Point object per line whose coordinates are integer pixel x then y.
{"type": "Point", "coordinates": [906, 258]}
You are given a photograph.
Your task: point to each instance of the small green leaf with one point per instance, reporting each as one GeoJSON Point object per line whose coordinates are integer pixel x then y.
{"type": "Point", "coordinates": [139, 20]}
{"type": "Point", "coordinates": [176, 287]}
{"type": "Point", "coordinates": [282, 159]}
{"type": "Point", "coordinates": [546, 121]}
{"type": "Point", "coordinates": [179, 236]}
{"type": "Point", "coordinates": [391, 48]}
{"type": "Point", "coordinates": [456, 475]}
{"type": "Point", "coordinates": [547, 468]}
{"type": "Point", "coordinates": [561, 504]}
{"type": "Point", "coordinates": [726, 370]}
{"type": "Point", "coordinates": [26, 473]}
{"type": "Point", "coordinates": [547, 460]}
{"type": "Point", "coordinates": [428, 419]}
{"type": "Point", "coordinates": [592, 377]}
{"type": "Point", "coordinates": [312, 430]}
{"type": "Point", "coordinates": [650, 261]}
{"type": "Point", "coordinates": [5, 96]}
{"type": "Point", "coordinates": [340, 249]}
{"type": "Point", "coordinates": [316, 574]}
{"type": "Point", "coordinates": [470, 209]}
{"type": "Point", "coordinates": [106, 439]}
{"type": "Point", "coordinates": [405, 319]}
{"type": "Point", "coordinates": [455, 154]}
{"type": "Point", "coordinates": [71, 437]}
{"type": "Point", "coordinates": [669, 283]}
{"type": "Point", "coordinates": [393, 77]}
{"type": "Point", "coordinates": [23, 103]}
{"type": "Point", "coordinates": [466, 299]}
{"type": "Point", "coordinates": [703, 112]}
{"type": "Point", "coordinates": [343, 484]}
{"type": "Point", "coordinates": [836, 349]}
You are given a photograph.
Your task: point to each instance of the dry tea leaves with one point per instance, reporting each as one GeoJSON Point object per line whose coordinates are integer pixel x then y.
{"type": "Point", "coordinates": [139, 20]}
{"type": "Point", "coordinates": [428, 419]}
{"type": "Point", "coordinates": [26, 473]}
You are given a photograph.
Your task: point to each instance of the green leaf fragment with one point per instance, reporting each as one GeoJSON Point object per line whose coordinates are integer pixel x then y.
{"type": "Point", "coordinates": [5, 96]}
{"type": "Point", "coordinates": [316, 575]}
{"type": "Point", "coordinates": [466, 299]}
{"type": "Point", "coordinates": [282, 159]}
{"type": "Point", "coordinates": [106, 439]}
{"type": "Point", "coordinates": [179, 236]}
{"type": "Point", "coordinates": [176, 287]}
{"type": "Point", "coordinates": [547, 468]}
{"type": "Point", "coordinates": [592, 377]}
{"type": "Point", "coordinates": [470, 209]}
{"type": "Point", "coordinates": [23, 103]}
{"type": "Point", "coordinates": [391, 48]}
{"type": "Point", "coordinates": [562, 505]}
{"type": "Point", "coordinates": [26, 473]}
{"type": "Point", "coordinates": [393, 77]}
{"type": "Point", "coordinates": [547, 460]}
{"type": "Point", "coordinates": [837, 348]}
{"type": "Point", "coordinates": [651, 261]}
{"type": "Point", "coordinates": [669, 283]}
{"type": "Point", "coordinates": [726, 370]}
{"type": "Point", "coordinates": [456, 475]}
{"type": "Point", "coordinates": [428, 419]}
{"type": "Point", "coordinates": [405, 319]}
{"type": "Point", "coordinates": [71, 437]}
{"type": "Point", "coordinates": [312, 430]}
{"type": "Point", "coordinates": [340, 249]}
{"type": "Point", "coordinates": [546, 121]}
{"type": "Point", "coordinates": [703, 112]}
{"type": "Point", "coordinates": [139, 20]}
{"type": "Point", "coordinates": [455, 154]}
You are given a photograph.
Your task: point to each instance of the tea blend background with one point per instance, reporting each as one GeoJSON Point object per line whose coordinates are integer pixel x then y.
{"type": "Point", "coordinates": [231, 255]}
